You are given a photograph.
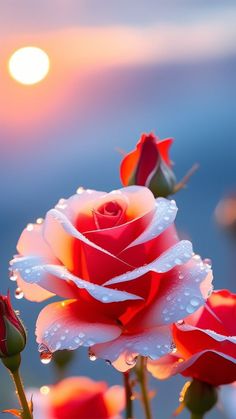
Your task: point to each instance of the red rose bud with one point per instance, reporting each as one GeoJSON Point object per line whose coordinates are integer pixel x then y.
{"type": "Point", "coordinates": [12, 331]}
{"type": "Point", "coordinates": [149, 165]}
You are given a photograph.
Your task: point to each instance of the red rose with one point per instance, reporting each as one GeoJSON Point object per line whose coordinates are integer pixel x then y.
{"type": "Point", "coordinates": [205, 342]}
{"type": "Point", "coordinates": [149, 165]}
{"type": "Point", "coordinates": [12, 332]}
{"type": "Point", "coordinates": [117, 258]}
{"type": "Point", "coordinates": [78, 397]}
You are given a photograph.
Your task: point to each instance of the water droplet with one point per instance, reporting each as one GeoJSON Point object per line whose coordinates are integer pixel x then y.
{"type": "Point", "coordinates": [30, 227]}
{"type": "Point", "coordinates": [108, 362]}
{"type": "Point", "coordinates": [81, 335]}
{"type": "Point", "coordinates": [190, 309]}
{"type": "Point", "coordinates": [13, 277]}
{"type": "Point", "coordinates": [105, 298]}
{"type": "Point", "coordinates": [180, 322]}
{"type": "Point", "coordinates": [44, 390]}
{"type": "Point", "coordinates": [27, 271]}
{"type": "Point", "coordinates": [208, 261]}
{"type": "Point", "coordinates": [17, 312]}
{"type": "Point", "coordinates": [166, 218]}
{"type": "Point", "coordinates": [186, 293]}
{"type": "Point", "coordinates": [194, 302]}
{"type": "Point", "coordinates": [181, 276]}
{"type": "Point", "coordinates": [45, 354]}
{"type": "Point", "coordinates": [19, 294]}
{"type": "Point", "coordinates": [178, 261]}
{"type": "Point", "coordinates": [80, 190]}
{"type": "Point", "coordinates": [39, 221]}
{"type": "Point", "coordinates": [131, 360]}
{"type": "Point", "coordinates": [92, 355]}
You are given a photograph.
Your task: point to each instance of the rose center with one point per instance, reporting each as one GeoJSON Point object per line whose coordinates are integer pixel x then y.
{"type": "Point", "coordinates": [109, 214]}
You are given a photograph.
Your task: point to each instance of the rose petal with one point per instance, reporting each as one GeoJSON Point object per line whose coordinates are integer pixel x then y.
{"type": "Point", "coordinates": [165, 213]}
{"type": "Point", "coordinates": [190, 339]}
{"type": "Point", "coordinates": [56, 279]}
{"type": "Point", "coordinates": [31, 242]}
{"type": "Point", "coordinates": [180, 293]}
{"type": "Point", "coordinates": [70, 324]}
{"type": "Point", "coordinates": [201, 365]}
{"type": "Point", "coordinates": [32, 271]}
{"type": "Point", "coordinates": [122, 352]}
{"type": "Point", "coordinates": [176, 255]}
{"type": "Point", "coordinates": [65, 240]}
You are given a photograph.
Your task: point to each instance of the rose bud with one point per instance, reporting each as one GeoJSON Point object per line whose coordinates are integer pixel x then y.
{"type": "Point", "coordinates": [12, 331]}
{"type": "Point", "coordinates": [205, 343]}
{"type": "Point", "coordinates": [149, 165]}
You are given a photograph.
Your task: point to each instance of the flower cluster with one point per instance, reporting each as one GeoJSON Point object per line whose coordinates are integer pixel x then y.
{"type": "Point", "coordinates": [129, 289]}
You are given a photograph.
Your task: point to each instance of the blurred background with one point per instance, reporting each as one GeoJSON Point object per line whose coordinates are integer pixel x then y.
{"type": "Point", "coordinates": [117, 69]}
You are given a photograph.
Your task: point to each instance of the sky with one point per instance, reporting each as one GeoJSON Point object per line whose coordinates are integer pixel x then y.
{"type": "Point", "coordinates": [117, 69]}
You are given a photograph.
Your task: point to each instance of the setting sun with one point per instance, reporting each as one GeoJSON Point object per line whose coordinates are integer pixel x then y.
{"type": "Point", "coordinates": [29, 65]}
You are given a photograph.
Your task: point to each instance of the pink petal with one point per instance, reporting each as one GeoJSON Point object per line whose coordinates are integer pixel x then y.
{"type": "Point", "coordinates": [33, 276]}
{"type": "Point", "coordinates": [165, 213]}
{"type": "Point", "coordinates": [123, 351]}
{"type": "Point", "coordinates": [31, 242]}
{"type": "Point", "coordinates": [64, 239]}
{"type": "Point", "coordinates": [70, 324]}
{"type": "Point", "coordinates": [171, 364]}
{"type": "Point", "coordinates": [180, 294]}
{"type": "Point", "coordinates": [58, 279]}
{"type": "Point", "coordinates": [176, 255]}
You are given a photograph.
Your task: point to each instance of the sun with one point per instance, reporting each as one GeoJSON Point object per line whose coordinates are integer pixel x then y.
{"type": "Point", "coordinates": [29, 65]}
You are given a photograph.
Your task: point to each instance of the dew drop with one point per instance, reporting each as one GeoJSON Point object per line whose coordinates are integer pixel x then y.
{"type": "Point", "coordinates": [92, 355]}
{"type": "Point", "coordinates": [30, 227]}
{"type": "Point", "coordinates": [13, 277]}
{"type": "Point", "coordinates": [19, 294]}
{"type": "Point", "coordinates": [39, 221]}
{"type": "Point", "coordinates": [190, 309]}
{"type": "Point", "coordinates": [180, 322]}
{"type": "Point", "coordinates": [178, 261]}
{"type": "Point", "coordinates": [181, 276]}
{"type": "Point", "coordinates": [131, 360]}
{"type": "Point", "coordinates": [194, 302]}
{"type": "Point", "coordinates": [81, 335]}
{"type": "Point", "coordinates": [186, 293]}
{"type": "Point", "coordinates": [108, 362]}
{"type": "Point", "coordinates": [105, 298]}
{"type": "Point", "coordinates": [45, 354]}
{"type": "Point", "coordinates": [208, 261]}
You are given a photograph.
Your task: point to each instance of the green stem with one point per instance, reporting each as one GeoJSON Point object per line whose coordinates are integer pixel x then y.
{"type": "Point", "coordinates": [21, 395]}
{"type": "Point", "coordinates": [141, 372]}
{"type": "Point", "coordinates": [128, 396]}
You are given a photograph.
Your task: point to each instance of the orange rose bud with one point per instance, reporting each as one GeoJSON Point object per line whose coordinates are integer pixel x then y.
{"type": "Point", "coordinates": [12, 331]}
{"type": "Point", "coordinates": [149, 165]}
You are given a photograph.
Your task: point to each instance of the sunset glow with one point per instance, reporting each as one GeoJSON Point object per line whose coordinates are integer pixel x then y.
{"type": "Point", "coordinates": [29, 65]}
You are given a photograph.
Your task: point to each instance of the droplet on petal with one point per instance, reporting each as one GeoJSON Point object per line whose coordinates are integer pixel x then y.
{"type": "Point", "coordinates": [92, 355]}
{"type": "Point", "coordinates": [45, 354]}
{"type": "Point", "coordinates": [13, 277]}
{"type": "Point", "coordinates": [131, 360]}
{"type": "Point", "coordinates": [19, 293]}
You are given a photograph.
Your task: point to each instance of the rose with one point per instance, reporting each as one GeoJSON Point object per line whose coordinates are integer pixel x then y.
{"type": "Point", "coordinates": [12, 331]}
{"type": "Point", "coordinates": [78, 397]}
{"type": "Point", "coordinates": [149, 165]}
{"type": "Point", "coordinates": [205, 342]}
{"type": "Point", "coordinates": [117, 258]}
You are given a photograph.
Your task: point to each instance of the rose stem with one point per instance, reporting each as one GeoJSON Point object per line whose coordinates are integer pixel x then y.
{"type": "Point", "coordinates": [21, 395]}
{"type": "Point", "coordinates": [141, 372]}
{"type": "Point", "coordinates": [128, 396]}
